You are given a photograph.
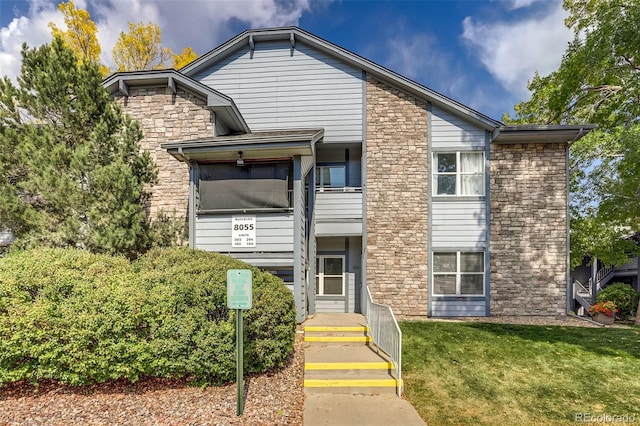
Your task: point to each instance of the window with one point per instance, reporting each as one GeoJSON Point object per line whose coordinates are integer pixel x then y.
{"type": "Point", "coordinates": [225, 186]}
{"type": "Point", "coordinates": [331, 176]}
{"type": "Point", "coordinates": [458, 273]}
{"type": "Point", "coordinates": [458, 173]}
{"type": "Point", "coordinates": [330, 276]}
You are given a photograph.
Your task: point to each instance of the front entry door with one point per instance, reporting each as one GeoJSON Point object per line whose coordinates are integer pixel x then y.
{"type": "Point", "coordinates": [330, 284]}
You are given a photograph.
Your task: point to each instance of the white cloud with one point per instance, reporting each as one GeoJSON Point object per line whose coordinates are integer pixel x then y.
{"type": "Point", "coordinates": [32, 29]}
{"type": "Point", "coordinates": [513, 51]}
{"type": "Point", "coordinates": [520, 4]}
{"type": "Point", "coordinates": [196, 23]}
{"type": "Point", "coordinates": [422, 58]}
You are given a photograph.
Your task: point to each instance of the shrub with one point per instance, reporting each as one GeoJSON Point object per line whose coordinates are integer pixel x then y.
{"type": "Point", "coordinates": [624, 297]}
{"type": "Point", "coordinates": [80, 318]}
{"type": "Point", "coordinates": [192, 284]}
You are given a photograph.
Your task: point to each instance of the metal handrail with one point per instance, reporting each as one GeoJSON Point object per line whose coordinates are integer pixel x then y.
{"type": "Point", "coordinates": [579, 286]}
{"type": "Point", "coordinates": [385, 333]}
{"type": "Point", "coordinates": [602, 273]}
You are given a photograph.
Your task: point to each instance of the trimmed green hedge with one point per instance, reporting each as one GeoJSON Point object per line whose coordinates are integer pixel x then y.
{"type": "Point", "coordinates": [79, 318]}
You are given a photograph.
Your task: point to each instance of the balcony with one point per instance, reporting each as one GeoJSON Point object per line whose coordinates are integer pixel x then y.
{"type": "Point", "coordinates": [338, 211]}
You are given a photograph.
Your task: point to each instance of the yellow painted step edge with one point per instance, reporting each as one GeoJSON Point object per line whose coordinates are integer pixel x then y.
{"type": "Point", "coordinates": [348, 366]}
{"type": "Point", "coordinates": [336, 328]}
{"type": "Point", "coordinates": [340, 383]}
{"type": "Point", "coordinates": [329, 339]}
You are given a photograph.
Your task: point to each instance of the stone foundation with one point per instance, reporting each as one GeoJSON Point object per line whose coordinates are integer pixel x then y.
{"type": "Point", "coordinates": [528, 229]}
{"type": "Point", "coordinates": [396, 194]}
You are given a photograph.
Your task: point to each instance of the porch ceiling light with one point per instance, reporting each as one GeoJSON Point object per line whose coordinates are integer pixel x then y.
{"type": "Point", "coordinates": [240, 161]}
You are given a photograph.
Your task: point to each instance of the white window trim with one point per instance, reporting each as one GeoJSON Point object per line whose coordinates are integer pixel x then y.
{"type": "Point", "coordinates": [458, 274]}
{"type": "Point", "coordinates": [458, 174]}
{"type": "Point", "coordinates": [319, 185]}
{"type": "Point", "coordinates": [321, 275]}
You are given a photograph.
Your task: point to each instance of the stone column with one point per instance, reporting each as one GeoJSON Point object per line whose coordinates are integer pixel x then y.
{"type": "Point", "coordinates": [528, 229]}
{"type": "Point", "coordinates": [396, 188]}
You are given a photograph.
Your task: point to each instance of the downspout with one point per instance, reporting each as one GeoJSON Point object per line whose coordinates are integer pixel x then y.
{"type": "Point", "coordinates": [569, 301]}
{"type": "Point", "coordinates": [191, 201]}
{"type": "Point", "coordinates": [364, 283]}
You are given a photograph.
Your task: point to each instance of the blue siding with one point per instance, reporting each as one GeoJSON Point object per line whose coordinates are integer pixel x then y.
{"type": "Point", "coordinates": [459, 224]}
{"type": "Point", "coordinates": [458, 308]}
{"type": "Point", "coordinates": [278, 87]}
{"type": "Point", "coordinates": [335, 205]}
{"type": "Point", "coordinates": [274, 233]}
{"type": "Point", "coordinates": [449, 131]}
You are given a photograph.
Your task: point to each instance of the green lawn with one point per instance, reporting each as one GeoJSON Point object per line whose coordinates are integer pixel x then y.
{"type": "Point", "coordinates": [458, 373]}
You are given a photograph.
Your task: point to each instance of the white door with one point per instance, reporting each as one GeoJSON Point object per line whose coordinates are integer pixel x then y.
{"type": "Point", "coordinates": [330, 284]}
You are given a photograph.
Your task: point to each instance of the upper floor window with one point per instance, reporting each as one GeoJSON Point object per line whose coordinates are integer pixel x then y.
{"type": "Point", "coordinates": [458, 173]}
{"type": "Point", "coordinates": [333, 176]}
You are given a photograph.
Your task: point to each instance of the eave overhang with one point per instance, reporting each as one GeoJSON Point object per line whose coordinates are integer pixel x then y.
{"type": "Point", "coordinates": [526, 134]}
{"type": "Point", "coordinates": [296, 35]}
{"type": "Point", "coordinates": [225, 109]}
{"type": "Point", "coordinates": [254, 146]}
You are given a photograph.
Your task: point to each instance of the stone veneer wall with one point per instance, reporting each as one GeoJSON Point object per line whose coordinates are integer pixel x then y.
{"type": "Point", "coordinates": [528, 229]}
{"type": "Point", "coordinates": [165, 117]}
{"type": "Point", "coordinates": [396, 194]}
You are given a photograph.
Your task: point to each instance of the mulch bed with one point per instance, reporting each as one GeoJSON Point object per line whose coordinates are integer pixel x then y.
{"type": "Point", "coordinates": [275, 398]}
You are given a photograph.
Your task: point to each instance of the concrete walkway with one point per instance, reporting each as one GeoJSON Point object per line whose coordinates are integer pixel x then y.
{"type": "Point", "coordinates": [354, 403]}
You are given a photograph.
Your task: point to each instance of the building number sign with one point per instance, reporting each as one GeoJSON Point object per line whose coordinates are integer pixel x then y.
{"type": "Point", "coordinates": [243, 231]}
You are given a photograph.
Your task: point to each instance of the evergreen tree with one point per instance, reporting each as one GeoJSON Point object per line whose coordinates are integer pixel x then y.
{"type": "Point", "coordinates": [71, 170]}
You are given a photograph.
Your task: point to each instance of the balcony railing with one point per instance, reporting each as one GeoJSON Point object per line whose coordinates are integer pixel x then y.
{"type": "Point", "coordinates": [338, 203]}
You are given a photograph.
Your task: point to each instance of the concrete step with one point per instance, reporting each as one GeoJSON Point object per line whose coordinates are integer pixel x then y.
{"type": "Point", "coordinates": [340, 358]}
{"type": "Point", "coordinates": [348, 370]}
{"type": "Point", "coordinates": [338, 339]}
{"type": "Point", "coordinates": [337, 334]}
{"type": "Point", "coordinates": [336, 353]}
{"type": "Point", "coordinates": [353, 386]}
{"type": "Point", "coordinates": [329, 366]}
{"type": "Point", "coordinates": [336, 328]}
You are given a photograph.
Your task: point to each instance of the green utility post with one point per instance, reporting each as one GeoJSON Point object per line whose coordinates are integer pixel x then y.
{"type": "Point", "coordinates": [239, 297]}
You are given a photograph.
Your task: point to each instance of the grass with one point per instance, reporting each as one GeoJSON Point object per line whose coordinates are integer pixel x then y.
{"type": "Point", "coordinates": [458, 373]}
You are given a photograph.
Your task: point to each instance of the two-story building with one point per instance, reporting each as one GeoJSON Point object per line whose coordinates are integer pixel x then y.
{"type": "Point", "coordinates": [300, 157]}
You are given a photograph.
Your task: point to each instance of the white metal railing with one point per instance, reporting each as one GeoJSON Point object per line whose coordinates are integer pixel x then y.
{"type": "Point", "coordinates": [385, 333]}
{"type": "Point", "coordinates": [602, 274]}
{"type": "Point", "coordinates": [579, 288]}
{"type": "Point", "coordinates": [338, 189]}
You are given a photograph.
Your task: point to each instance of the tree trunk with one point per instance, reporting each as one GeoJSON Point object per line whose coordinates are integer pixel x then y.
{"type": "Point", "coordinates": [638, 314]}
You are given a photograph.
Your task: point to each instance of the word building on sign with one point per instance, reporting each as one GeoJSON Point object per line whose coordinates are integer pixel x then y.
{"type": "Point", "coordinates": [243, 231]}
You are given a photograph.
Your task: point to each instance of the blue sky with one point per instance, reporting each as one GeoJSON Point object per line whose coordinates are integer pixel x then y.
{"type": "Point", "coordinates": [480, 53]}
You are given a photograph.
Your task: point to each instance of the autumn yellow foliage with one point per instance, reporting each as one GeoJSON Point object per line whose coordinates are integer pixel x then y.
{"type": "Point", "coordinates": [140, 48]}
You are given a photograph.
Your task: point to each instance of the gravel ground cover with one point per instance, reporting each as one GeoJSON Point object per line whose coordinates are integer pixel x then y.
{"type": "Point", "coordinates": [275, 398]}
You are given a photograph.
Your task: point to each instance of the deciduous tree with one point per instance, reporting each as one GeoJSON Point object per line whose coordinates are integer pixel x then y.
{"type": "Point", "coordinates": [71, 170]}
{"type": "Point", "coordinates": [80, 35]}
{"type": "Point", "coordinates": [183, 58]}
{"type": "Point", "coordinates": [598, 81]}
{"type": "Point", "coordinates": [138, 49]}
{"type": "Point", "coordinates": [141, 49]}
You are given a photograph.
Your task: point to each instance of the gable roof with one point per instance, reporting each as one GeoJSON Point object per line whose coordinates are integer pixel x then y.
{"type": "Point", "coordinates": [296, 35]}
{"type": "Point", "coordinates": [224, 107]}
